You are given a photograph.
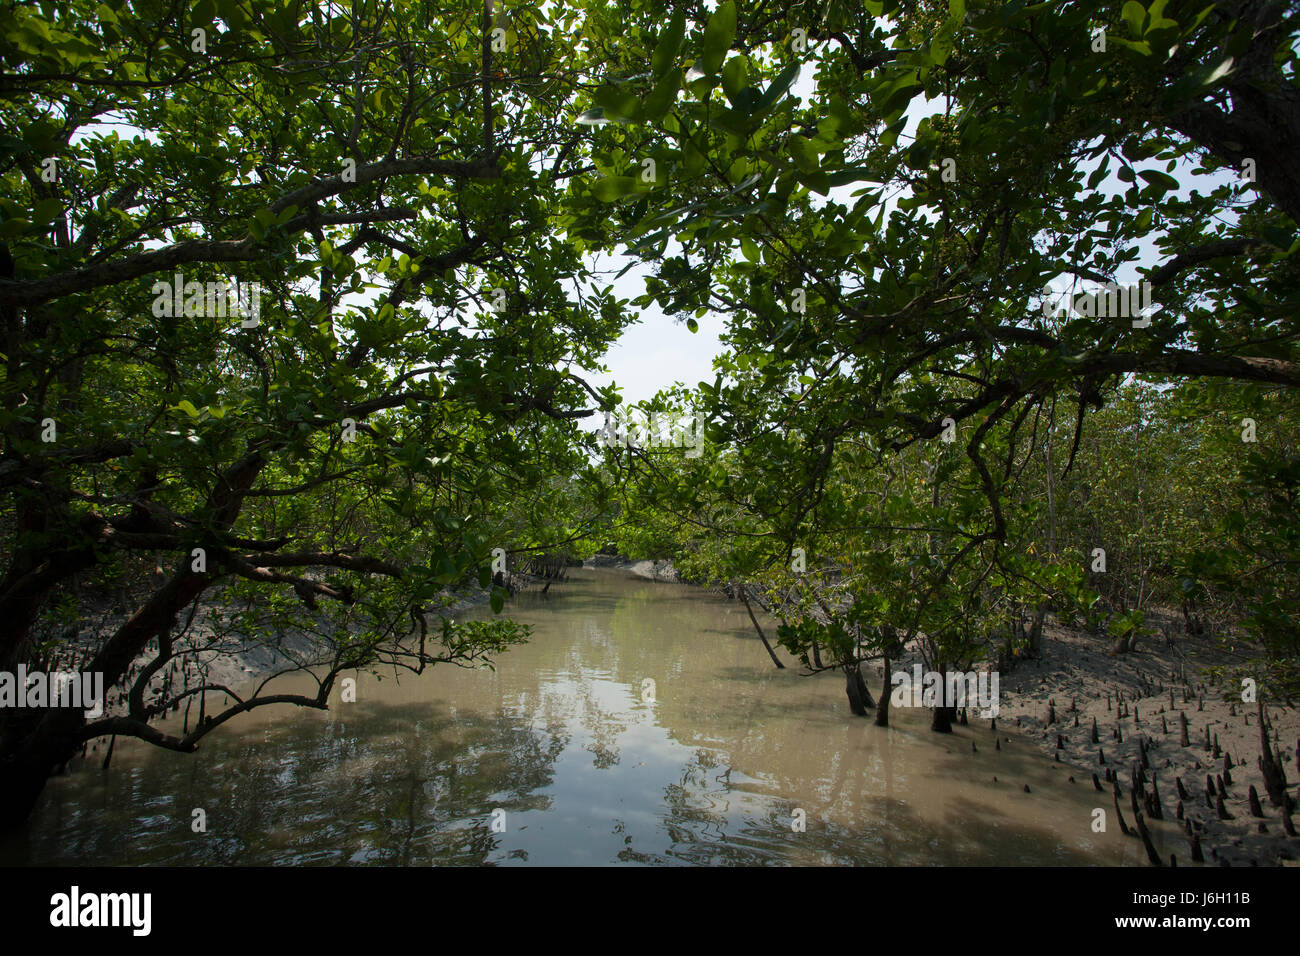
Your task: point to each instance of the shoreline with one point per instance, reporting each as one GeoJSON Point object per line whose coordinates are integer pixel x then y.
{"type": "Point", "coordinates": [651, 570]}
{"type": "Point", "coordinates": [1052, 700]}
{"type": "Point", "coordinates": [240, 667]}
{"type": "Point", "coordinates": [1076, 681]}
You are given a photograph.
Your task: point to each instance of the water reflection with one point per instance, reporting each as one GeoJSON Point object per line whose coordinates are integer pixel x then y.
{"type": "Point", "coordinates": [588, 765]}
{"type": "Point", "coordinates": [400, 784]}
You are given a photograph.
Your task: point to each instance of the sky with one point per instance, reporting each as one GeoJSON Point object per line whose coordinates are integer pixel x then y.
{"type": "Point", "coordinates": [657, 351]}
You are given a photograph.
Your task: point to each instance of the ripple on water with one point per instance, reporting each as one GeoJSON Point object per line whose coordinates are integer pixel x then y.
{"type": "Point", "coordinates": [588, 765]}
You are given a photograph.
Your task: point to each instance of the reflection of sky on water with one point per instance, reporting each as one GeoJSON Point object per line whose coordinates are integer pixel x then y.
{"type": "Point", "coordinates": [586, 766]}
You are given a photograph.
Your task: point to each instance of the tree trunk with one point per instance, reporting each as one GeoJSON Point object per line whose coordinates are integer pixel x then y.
{"type": "Point", "coordinates": [862, 686]}
{"type": "Point", "coordinates": [1051, 483]}
{"type": "Point", "coordinates": [23, 787]}
{"type": "Point", "coordinates": [941, 721]}
{"type": "Point", "coordinates": [26, 762]}
{"type": "Point", "coordinates": [853, 686]}
{"type": "Point", "coordinates": [761, 636]}
{"type": "Point", "coordinates": [1036, 632]}
{"type": "Point", "coordinates": [32, 751]}
{"type": "Point", "coordinates": [882, 710]}
{"type": "Point", "coordinates": [1261, 123]}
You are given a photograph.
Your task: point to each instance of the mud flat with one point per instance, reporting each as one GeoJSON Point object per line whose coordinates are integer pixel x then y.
{"type": "Point", "coordinates": [1143, 696]}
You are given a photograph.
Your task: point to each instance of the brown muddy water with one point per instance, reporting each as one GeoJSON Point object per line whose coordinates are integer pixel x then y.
{"type": "Point", "coordinates": [590, 762]}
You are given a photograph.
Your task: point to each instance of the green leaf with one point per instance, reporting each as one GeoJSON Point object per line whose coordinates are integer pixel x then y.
{"type": "Point", "coordinates": [734, 79]}
{"type": "Point", "coordinates": [941, 48]}
{"type": "Point", "coordinates": [612, 188]}
{"type": "Point", "coordinates": [1098, 174]}
{"type": "Point", "coordinates": [895, 96]}
{"type": "Point", "coordinates": [1157, 178]}
{"type": "Point", "coordinates": [1282, 238]}
{"type": "Point", "coordinates": [670, 41]}
{"type": "Point", "coordinates": [803, 153]}
{"type": "Point", "coordinates": [1220, 71]}
{"type": "Point", "coordinates": [729, 121]}
{"type": "Point", "coordinates": [778, 88]}
{"type": "Point", "coordinates": [205, 11]}
{"type": "Point", "coordinates": [46, 210]}
{"type": "Point", "coordinates": [890, 136]}
{"type": "Point", "coordinates": [851, 174]}
{"type": "Point", "coordinates": [1134, 15]}
{"type": "Point", "coordinates": [718, 37]}
{"type": "Point", "coordinates": [619, 105]}
{"type": "Point", "coordinates": [1140, 47]}
{"type": "Point", "coordinates": [817, 181]}
{"type": "Point", "coordinates": [663, 95]}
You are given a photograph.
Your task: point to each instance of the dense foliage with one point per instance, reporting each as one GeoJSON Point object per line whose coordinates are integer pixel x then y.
{"type": "Point", "coordinates": [930, 421]}
{"type": "Point", "coordinates": [182, 473]}
{"type": "Point", "coordinates": [911, 215]}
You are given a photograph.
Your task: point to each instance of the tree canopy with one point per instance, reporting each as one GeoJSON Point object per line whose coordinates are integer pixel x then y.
{"type": "Point", "coordinates": [937, 401]}
{"type": "Point", "coordinates": [921, 222]}
{"type": "Point", "coordinates": [396, 383]}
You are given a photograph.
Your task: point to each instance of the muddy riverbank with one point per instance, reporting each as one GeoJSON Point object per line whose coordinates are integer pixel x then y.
{"type": "Point", "coordinates": [642, 724]}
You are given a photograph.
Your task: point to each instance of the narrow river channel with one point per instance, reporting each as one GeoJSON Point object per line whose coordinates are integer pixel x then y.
{"type": "Point", "coordinates": [644, 723]}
